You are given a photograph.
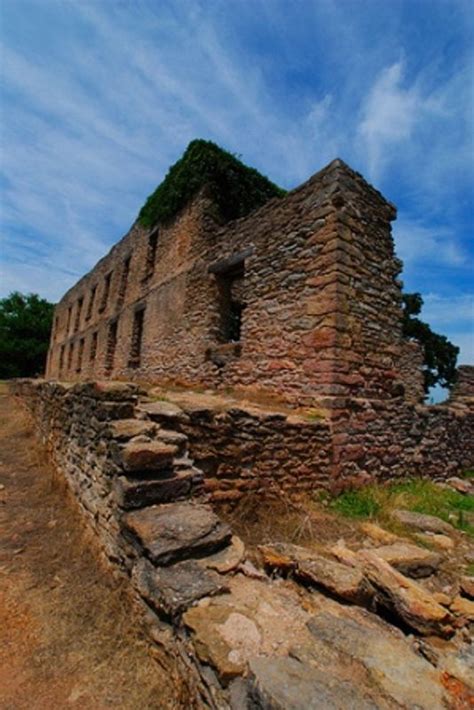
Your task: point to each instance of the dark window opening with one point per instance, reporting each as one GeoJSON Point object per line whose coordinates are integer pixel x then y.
{"type": "Point", "coordinates": [137, 338]}
{"type": "Point", "coordinates": [61, 358]}
{"type": "Point", "coordinates": [78, 314]}
{"type": "Point", "coordinates": [93, 350]}
{"type": "Point", "coordinates": [80, 354]}
{"type": "Point", "coordinates": [69, 313]}
{"type": "Point", "coordinates": [151, 253]}
{"type": "Point", "coordinates": [90, 306]}
{"type": "Point", "coordinates": [69, 356]}
{"type": "Point", "coordinates": [124, 280]}
{"type": "Point", "coordinates": [111, 345]}
{"type": "Point", "coordinates": [105, 292]}
{"type": "Point", "coordinates": [230, 286]}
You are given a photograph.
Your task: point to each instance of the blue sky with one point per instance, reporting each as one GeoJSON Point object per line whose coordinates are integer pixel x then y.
{"type": "Point", "coordinates": [98, 98]}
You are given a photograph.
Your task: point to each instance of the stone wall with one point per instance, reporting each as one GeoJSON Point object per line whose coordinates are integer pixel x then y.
{"type": "Point", "coordinates": [313, 276]}
{"type": "Point", "coordinates": [410, 369]}
{"type": "Point", "coordinates": [382, 440]}
{"type": "Point", "coordinates": [464, 386]}
{"type": "Point", "coordinates": [234, 636]}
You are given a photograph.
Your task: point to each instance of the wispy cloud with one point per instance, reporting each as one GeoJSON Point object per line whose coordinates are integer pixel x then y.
{"type": "Point", "coordinates": [100, 98]}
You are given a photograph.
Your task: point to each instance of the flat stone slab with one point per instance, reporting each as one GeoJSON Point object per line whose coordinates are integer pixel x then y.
{"type": "Point", "coordinates": [390, 663]}
{"type": "Point", "coordinates": [172, 590]}
{"type": "Point", "coordinates": [416, 607]}
{"type": "Point", "coordinates": [177, 531]}
{"type": "Point", "coordinates": [339, 580]}
{"type": "Point", "coordinates": [141, 457]}
{"type": "Point", "coordinates": [420, 521]}
{"type": "Point", "coordinates": [410, 559]}
{"type": "Point", "coordinates": [467, 586]}
{"type": "Point", "coordinates": [288, 684]}
{"type": "Point", "coordinates": [135, 493]}
{"type": "Point", "coordinates": [255, 618]}
{"type": "Point", "coordinates": [124, 429]}
{"type": "Point", "coordinates": [226, 560]}
{"type": "Point", "coordinates": [164, 412]}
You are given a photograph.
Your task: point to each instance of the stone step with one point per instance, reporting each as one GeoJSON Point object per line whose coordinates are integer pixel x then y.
{"type": "Point", "coordinates": [138, 493]}
{"type": "Point", "coordinates": [177, 531]}
{"type": "Point", "coordinates": [175, 438]}
{"type": "Point", "coordinates": [164, 413]}
{"type": "Point", "coordinates": [147, 457]}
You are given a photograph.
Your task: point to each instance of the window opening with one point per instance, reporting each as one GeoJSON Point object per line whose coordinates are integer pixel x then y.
{"type": "Point", "coordinates": [69, 356]}
{"type": "Point", "coordinates": [61, 358]}
{"type": "Point", "coordinates": [90, 306]}
{"type": "Point", "coordinates": [124, 280]}
{"type": "Point", "coordinates": [80, 354]}
{"type": "Point", "coordinates": [93, 350]}
{"type": "Point", "coordinates": [69, 313]}
{"type": "Point", "coordinates": [111, 345]}
{"type": "Point", "coordinates": [137, 338]}
{"type": "Point", "coordinates": [78, 314]}
{"type": "Point", "coordinates": [151, 253]}
{"type": "Point", "coordinates": [105, 293]}
{"type": "Point", "coordinates": [230, 284]}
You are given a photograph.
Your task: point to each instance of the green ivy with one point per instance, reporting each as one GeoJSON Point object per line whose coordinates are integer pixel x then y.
{"type": "Point", "coordinates": [236, 188]}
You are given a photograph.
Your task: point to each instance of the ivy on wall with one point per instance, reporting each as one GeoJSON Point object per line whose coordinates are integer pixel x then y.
{"type": "Point", "coordinates": [236, 188]}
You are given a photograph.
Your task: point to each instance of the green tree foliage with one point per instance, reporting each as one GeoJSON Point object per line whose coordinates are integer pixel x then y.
{"type": "Point", "coordinates": [25, 327]}
{"type": "Point", "coordinates": [440, 354]}
{"type": "Point", "coordinates": [236, 188]}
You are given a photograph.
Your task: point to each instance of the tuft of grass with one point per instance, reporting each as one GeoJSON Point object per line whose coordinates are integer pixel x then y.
{"type": "Point", "coordinates": [417, 495]}
{"type": "Point", "coordinates": [467, 474]}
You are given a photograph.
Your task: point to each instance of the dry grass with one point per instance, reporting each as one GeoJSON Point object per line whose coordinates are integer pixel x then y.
{"type": "Point", "coordinates": [65, 621]}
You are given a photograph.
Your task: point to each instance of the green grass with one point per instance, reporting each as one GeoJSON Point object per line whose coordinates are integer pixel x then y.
{"type": "Point", "coordinates": [417, 495]}
{"type": "Point", "coordinates": [467, 474]}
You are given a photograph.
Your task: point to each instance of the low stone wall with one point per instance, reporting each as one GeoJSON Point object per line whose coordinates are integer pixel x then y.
{"type": "Point", "coordinates": [222, 625]}
{"type": "Point", "coordinates": [383, 440]}
{"type": "Point", "coordinates": [246, 451]}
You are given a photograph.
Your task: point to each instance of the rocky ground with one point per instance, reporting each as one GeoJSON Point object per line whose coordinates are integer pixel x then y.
{"type": "Point", "coordinates": [279, 608]}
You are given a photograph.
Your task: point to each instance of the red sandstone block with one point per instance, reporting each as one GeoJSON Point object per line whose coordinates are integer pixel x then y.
{"type": "Point", "coordinates": [137, 457]}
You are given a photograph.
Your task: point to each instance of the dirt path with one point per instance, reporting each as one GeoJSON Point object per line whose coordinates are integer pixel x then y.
{"type": "Point", "coordinates": [67, 639]}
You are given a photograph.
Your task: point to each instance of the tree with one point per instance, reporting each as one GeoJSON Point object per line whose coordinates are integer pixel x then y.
{"type": "Point", "coordinates": [25, 327]}
{"type": "Point", "coordinates": [440, 355]}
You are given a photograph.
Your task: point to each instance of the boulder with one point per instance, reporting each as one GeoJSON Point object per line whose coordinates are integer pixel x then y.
{"type": "Point", "coordinates": [177, 531]}
{"type": "Point", "coordinates": [467, 586]}
{"type": "Point", "coordinates": [461, 485]}
{"type": "Point", "coordinates": [143, 457]}
{"type": "Point", "coordinates": [441, 542]}
{"type": "Point", "coordinates": [288, 684]}
{"type": "Point", "coordinates": [400, 596]}
{"type": "Point", "coordinates": [391, 665]}
{"type": "Point", "coordinates": [336, 579]}
{"type": "Point", "coordinates": [409, 559]}
{"type": "Point", "coordinates": [378, 534]}
{"type": "Point", "coordinates": [420, 521]}
{"type": "Point", "coordinates": [463, 607]}
{"type": "Point", "coordinates": [172, 590]}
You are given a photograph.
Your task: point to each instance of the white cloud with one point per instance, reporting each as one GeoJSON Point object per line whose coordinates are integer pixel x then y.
{"type": "Point", "coordinates": [419, 243]}
{"type": "Point", "coordinates": [389, 115]}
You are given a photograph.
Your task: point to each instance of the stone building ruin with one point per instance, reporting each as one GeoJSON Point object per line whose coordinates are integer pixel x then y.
{"type": "Point", "coordinates": [297, 302]}
{"type": "Point", "coordinates": [289, 317]}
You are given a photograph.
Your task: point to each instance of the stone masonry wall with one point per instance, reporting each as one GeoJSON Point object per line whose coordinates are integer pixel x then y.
{"type": "Point", "coordinates": [410, 370]}
{"type": "Point", "coordinates": [375, 439]}
{"type": "Point", "coordinates": [315, 274]}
